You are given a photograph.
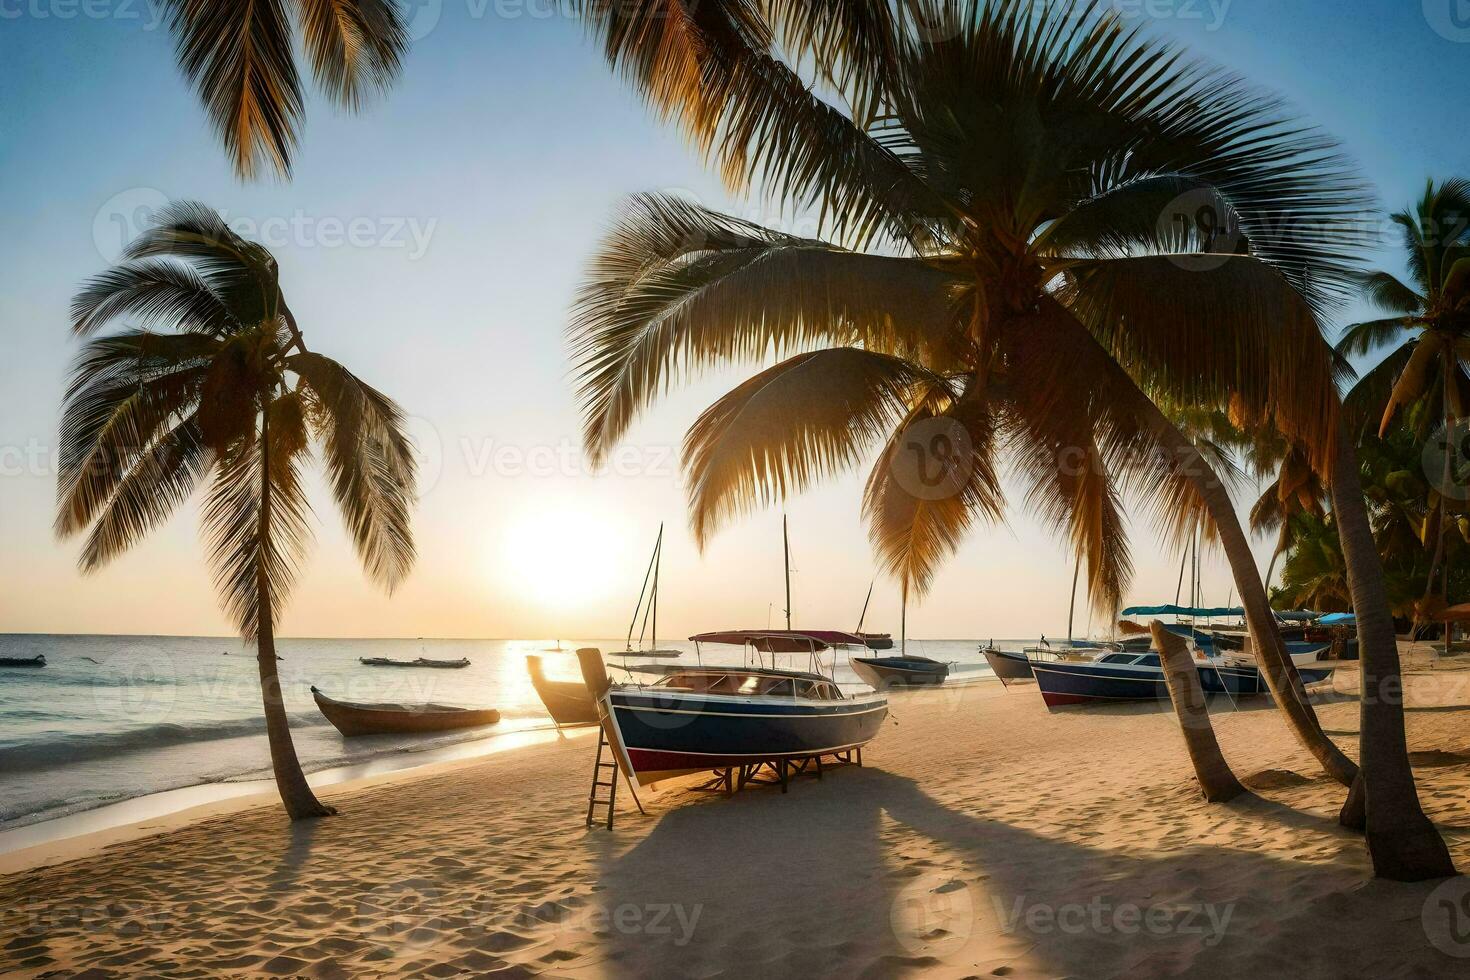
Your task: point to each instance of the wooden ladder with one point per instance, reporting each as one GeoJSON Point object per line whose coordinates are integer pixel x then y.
{"type": "Point", "coordinates": [600, 769]}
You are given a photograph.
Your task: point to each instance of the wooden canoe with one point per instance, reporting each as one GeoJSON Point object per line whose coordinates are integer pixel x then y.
{"type": "Point", "coordinates": [351, 718]}
{"type": "Point", "coordinates": [568, 702]}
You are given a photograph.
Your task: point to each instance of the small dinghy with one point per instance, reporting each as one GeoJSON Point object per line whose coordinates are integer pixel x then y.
{"type": "Point", "coordinates": [420, 662]}
{"type": "Point", "coordinates": [39, 660]}
{"type": "Point", "coordinates": [352, 719]}
{"type": "Point", "coordinates": [881, 673]}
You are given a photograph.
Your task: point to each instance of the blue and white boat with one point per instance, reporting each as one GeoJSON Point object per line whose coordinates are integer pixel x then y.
{"type": "Point", "coordinates": [1140, 677]}
{"type": "Point", "coordinates": [714, 718]}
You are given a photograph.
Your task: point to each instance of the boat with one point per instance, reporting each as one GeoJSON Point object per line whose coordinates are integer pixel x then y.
{"type": "Point", "coordinates": [1123, 676]}
{"type": "Point", "coordinates": [419, 662]}
{"type": "Point", "coordinates": [877, 641]}
{"type": "Point", "coordinates": [352, 719]}
{"type": "Point", "coordinates": [648, 606]}
{"type": "Point", "coordinates": [1008, 666]}
{"type": "Point", "coordinates": [39, 660]}
{"type": "Point", "coordinates": [901, 671]}
{"type": "Point", "coordinates": [568, 702]}
{"type": "Point", "coordinates": [731, 718]}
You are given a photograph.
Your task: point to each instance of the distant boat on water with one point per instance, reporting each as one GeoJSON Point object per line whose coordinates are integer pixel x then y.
{"type": "Point", "coordinates": [419, 662]}
{"type": "Point", "coordinates": [353, 719]}
{"type": "Point", "coordinates": [648, 607]}
{"type": "Point", "coordinates": [39, 660]}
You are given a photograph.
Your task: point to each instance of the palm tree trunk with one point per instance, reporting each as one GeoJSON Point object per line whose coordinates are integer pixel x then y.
{"type": "Point", "coordinates": [1216, 780]}
{"type": "Point", "coordinates": [301, 803]}
{"type": "Point", "coordinates": [1402, 841]}
{"type": "Point", "coordinates": [1280, 673]}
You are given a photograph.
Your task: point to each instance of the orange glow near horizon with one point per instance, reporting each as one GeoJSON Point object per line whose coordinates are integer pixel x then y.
{"type": "Point", "coordinates": [560, 556]}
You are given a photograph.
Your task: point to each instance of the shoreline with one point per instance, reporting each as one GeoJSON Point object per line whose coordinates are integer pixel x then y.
{"type": "Point", "coordinates": [71, 835]}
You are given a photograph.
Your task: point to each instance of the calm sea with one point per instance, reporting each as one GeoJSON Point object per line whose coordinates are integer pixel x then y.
{"type": "Point", "coordinates": [116, 717]}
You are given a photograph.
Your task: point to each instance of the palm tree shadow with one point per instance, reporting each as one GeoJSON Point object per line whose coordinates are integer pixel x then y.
{"type": "Point", "coordinates": [887, 878]}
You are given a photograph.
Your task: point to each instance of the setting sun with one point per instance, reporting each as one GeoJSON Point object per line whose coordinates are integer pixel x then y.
{"type": "Point", "coordinates": [560, 556]}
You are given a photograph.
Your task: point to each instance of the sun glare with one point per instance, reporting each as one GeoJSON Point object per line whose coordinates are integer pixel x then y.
{"type": "Point", "coordinates": [561, 557]}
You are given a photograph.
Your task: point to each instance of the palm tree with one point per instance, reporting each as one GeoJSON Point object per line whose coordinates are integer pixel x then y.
{"type": "Point", "coordinates": [1296, 491]}
{"type": "Point", "coordinates": [1010, 249]}
{"type": "Point", "coordinates": [709, 64]}
{"type": "Point", "coordinates": [1429, 326]}
{"type": "Point", "coordinates": [217, 390]}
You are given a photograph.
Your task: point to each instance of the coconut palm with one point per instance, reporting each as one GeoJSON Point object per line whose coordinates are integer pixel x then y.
{"type": "Point", "coordinates": [215, 388]}
{"type": "Point", "coordinates": [709, 64]}
{"type": "Point", "coordinates": [241, 59]}
{"type": "Point", "coordinates": [1296, 490]}
{"type": "Point", "coordinates": [1010, 256]}
{"type": "Point", "coordinates": [1429, 326]}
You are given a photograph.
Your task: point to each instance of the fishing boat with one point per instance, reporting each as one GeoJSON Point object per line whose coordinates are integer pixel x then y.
{"type": "Point", "coordinates": [732, 718]}
{"type": "Point", "coordinates": [1140, 677]}
{"type": "Point", "coordinates": [418, 662]}
{"type": "Point", "coordinates": [39, 660]}
{"type": "Point", "coordinates": [903, 671]}
{"type": "Point", "coordinates": [1008, 666]}
{"type": "Point", "coordinates": [648, 607]}
{"type": "Point", "coordinates": [568, 702]}
{"type": "Point", "coordinates": [352, 719]}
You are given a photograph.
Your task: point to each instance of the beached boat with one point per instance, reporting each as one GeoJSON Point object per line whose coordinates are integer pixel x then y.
{"type": "Point", "coordinates": [39, 660]}
{"type": "Point", "coordinates": [353, 719]}
{"type": "Point", "coordinates": [1139, 677]}
{"type": "Point", "coordinates": [568, 702]}
{"type": "Point", "coordinates": [419, 662]}
{"type": "Point", "coordinates": [728, 718]}
{"type": "Point", "coordinates": [908, 670]}
{"type": "Point", "coordinates": [1008, 666]}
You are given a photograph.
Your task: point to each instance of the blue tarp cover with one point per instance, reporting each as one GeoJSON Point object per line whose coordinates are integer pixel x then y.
{"type": "Point", "coordinates": [1172, 610]}
{"type": "Point", "coordinates": [1332, 619]}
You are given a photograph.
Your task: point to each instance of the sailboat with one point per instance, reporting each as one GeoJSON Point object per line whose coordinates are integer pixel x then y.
{"type": "Point", "coordinates": [649, 609]}
{"type": "Point", "coordinates": [904, 670]}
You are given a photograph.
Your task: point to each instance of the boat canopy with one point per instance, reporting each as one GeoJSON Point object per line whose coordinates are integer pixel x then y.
{"type": "Point", "coordinates": [781, 641]}
{"type": "Point", "coordinates": [1297, 615]}
{"type": "Point", "coordinates": [1208, 612]}
{"type": "Point", "coordinates": [1338, 619]}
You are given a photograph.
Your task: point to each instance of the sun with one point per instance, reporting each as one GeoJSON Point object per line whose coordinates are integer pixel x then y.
{"type": "Point", "coordinates": [561, 556]}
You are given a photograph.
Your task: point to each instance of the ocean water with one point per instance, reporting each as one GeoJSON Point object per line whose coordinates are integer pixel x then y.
{"type": "Point", "coordinates": [111, 718]}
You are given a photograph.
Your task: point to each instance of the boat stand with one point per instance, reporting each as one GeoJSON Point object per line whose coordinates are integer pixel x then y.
{"type": "Point", "coordinates": [777, 772]}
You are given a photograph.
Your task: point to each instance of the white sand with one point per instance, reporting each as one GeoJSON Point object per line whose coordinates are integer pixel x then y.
{"type": "Point", "coordinates": [985, 836]}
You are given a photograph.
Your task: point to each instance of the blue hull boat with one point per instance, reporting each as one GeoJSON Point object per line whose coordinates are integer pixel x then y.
{"type": "Point", "coordinates": [712, 718]}
{"type": "Point", "coordinates": [1123, 677]}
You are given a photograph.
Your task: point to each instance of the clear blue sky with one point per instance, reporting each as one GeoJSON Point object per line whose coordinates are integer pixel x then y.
{"type": "Point", "coordinates": [434, 242]}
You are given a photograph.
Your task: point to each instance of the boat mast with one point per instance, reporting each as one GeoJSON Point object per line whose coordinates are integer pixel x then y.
{"type": "Point", "coordinates": [1072, 606]}
{"type": "Point", "coordinates": [869, 599]}
{"type": "Point", "coordinates": [658, 560]}
{"type": "Point", "coordinates": [903, 622]}
{"type": "Point", "coordinates": [647, 576]}
{"type": "Point", "coordinates": [786, 550]}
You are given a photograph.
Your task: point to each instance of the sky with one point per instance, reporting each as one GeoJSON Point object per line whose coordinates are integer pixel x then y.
{"type": "Point", "coordinates": [434, 243]}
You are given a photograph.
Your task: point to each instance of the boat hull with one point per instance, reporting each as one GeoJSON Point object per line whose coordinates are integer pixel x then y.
{"type": "Point", "coordinates": [881, 673]}
{"type": "Point", "coordinates": [421, 662]}
{"type": "Point", "coordinates": [352, 719]}
{"type": "Point", "coordinates": [39, 660]}
{"type": "Point", "coordinates": [1064, 684]}
{"type": "Point", "coordinates": [1008, 666]}
{"type": "Point", "coordinates": [669, 734]}
{"type": "Point", "coordinates": [568, 702]}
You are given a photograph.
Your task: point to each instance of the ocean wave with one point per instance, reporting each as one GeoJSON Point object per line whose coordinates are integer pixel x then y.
{"type": "Point", "coordinates": [61, 748]}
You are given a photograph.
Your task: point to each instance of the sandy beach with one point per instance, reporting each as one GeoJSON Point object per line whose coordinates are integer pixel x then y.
{"type": "Point", "coordinates": [983, 836]}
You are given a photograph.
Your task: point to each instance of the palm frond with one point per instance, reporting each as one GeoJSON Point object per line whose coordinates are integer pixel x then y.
{"type": "Point", "coordinates": [1363, 338]}
{"type": "Point", "coordinates": [238, 57]}
{"type": "Point", "coordinates": [1146, 214]}
{"type": "Point", "coordinates": [158, 482]}
{"type": "Point", "coordinates": [1208, 327]}
{"type": "Point", "coordinates": [808, 417]}
{"type": "Point", "coordinates": [677, 287]}
{"type": "Point", "coordinates": [356, 46]}
{"type": "Point", "coordinates": [370, 462]}
{"type": "Point", "coordinates": [164, 294]}
{"type": "Point", "coordinates": [922, 495]}
{"type": "Point", "coordinates": [1386, 292]}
